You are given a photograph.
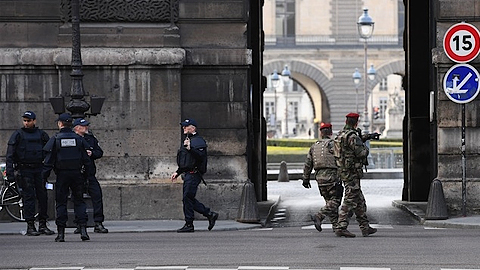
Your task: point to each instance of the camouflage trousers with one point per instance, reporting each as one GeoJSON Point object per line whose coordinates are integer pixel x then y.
{"type": "Point", "coordinates": [331, 190]}
{"type": "Point", "coordinates": [353, 202]}
{"type": "Point", "coordinates": [333, 198]}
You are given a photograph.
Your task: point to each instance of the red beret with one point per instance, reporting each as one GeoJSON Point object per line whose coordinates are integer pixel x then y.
{"type": "Point", "coordinates": [353, 115]}
{"type": "Point", "coordinates": [325, 125]}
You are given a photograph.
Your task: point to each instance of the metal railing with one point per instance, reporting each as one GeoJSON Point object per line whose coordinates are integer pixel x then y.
{"type": "Point", "coordinates": [322, 40]}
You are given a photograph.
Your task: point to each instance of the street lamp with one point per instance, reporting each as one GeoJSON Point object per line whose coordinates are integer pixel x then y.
{"type": "Point", "coordinates": [286, 81]}
{"type": "Point", "coordinates": [365, 30]}
{"type": "Point", "coordinates": [77, 104]}
{"type": "Point", "coordinates": [275, 78]}
{"type": "Point", "coordinates": [356, 80]}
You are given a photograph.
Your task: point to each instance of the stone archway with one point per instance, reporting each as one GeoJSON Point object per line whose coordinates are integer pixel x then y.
{"type": "Point", "coordinates": [312, 79]}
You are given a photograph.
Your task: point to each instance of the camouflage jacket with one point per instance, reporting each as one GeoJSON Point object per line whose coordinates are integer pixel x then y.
{"type": "Point", "coordinates": [320, 158]}
{"type": "Point", "coordinates": [350, 152]}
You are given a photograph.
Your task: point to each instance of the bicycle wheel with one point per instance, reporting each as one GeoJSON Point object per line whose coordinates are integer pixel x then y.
{"type": "Point", "coordinates": [12, 200]}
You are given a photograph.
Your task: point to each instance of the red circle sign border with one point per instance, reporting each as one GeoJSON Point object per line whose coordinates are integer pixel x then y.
{"type": "Point", "coordinates": [452, 30]}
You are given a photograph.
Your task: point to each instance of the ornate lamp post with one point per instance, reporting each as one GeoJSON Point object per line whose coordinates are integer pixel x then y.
{"type": "Point", "coordinates": [365, 30]}
{"type": "Point", "coordinates": [356, 80]}
{"type": "Point", "coordinates": [275, 83]}
{"type": "Point", "coordinates": [286, 81]}
{"type": "Point", "coordinates": [77, 104]}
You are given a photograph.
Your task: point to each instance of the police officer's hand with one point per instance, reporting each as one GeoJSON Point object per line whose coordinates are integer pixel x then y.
{"type": "Point", "coordinates": [174, 176]}
{"type": "Point", "coordinates": [306, 183]}
{"type": "Point", "coordinates": [186, 143]}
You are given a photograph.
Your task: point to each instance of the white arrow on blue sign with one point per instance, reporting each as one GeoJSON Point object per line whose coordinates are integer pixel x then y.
{"type": "Point", "coordinates": [461, 83]}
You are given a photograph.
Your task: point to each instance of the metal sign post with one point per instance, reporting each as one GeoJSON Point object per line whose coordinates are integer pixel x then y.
{"type": "Point", "coordinates": [462, 85]}
{"type": "Point", "coordinates": [464, 166]}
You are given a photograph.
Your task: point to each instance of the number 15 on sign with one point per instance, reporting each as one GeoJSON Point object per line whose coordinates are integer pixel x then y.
{"type": "Point", "coordinates": [461, 42]}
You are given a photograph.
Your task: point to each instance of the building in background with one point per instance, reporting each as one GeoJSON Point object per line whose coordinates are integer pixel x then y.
{"type": "Point", "coordinates": [319, 42]}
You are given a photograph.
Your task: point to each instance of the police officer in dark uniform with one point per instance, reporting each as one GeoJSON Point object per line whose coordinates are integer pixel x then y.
{"type": "Point", "coordinates": [80, 126]}
{"type": "Point", "coordinates": [67, 156]}
{"type": "Point", "coordinates": [25, 156]}
{"type": "Point", "coordinates": [192, 164]}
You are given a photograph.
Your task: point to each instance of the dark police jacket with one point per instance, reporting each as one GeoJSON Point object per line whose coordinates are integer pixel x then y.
{"type": "Point", "coordinates": [25, 147]}
{"type": "Point", "coordinates": [66, 151]}
{"type": "Point", "coordinates": [195, 159]}
{"type": "Point", "coordinates": [97, 152]}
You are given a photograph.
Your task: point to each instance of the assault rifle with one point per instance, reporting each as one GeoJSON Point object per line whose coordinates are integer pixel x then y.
{"type": "Point", "coordinates": [371, 136]}
{"type": "Point", "coordinates": [368, 136]}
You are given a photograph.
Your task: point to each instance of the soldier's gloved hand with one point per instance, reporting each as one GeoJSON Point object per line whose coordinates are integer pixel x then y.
{"type": "Point", "coordinates": [306, 183]}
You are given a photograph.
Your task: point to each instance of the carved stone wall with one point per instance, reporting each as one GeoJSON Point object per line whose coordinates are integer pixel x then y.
{"type": "Point", "coordinates": [154, 70]}
{"type": "Point", "coordinates": [123, 10]}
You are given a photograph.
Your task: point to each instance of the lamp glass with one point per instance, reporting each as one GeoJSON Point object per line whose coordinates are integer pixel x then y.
{"type": "Point", "coordinates": [365, 25]}
{"type": "Point", "coordinates": [371, 73]}
{"type": "Point", "coordinates": [286, 75]}
{"type": "Point", "coordinates": [356, 77]}
{"type": "Point", "coordinates": [275, 79]}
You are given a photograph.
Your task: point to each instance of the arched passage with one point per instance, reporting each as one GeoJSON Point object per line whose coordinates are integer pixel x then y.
{"type": "Point", "coordinates": [312, 79]}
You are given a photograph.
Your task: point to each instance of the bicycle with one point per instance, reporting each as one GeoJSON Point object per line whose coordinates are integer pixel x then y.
{"type": "Point", "coordinates": [10, 197]}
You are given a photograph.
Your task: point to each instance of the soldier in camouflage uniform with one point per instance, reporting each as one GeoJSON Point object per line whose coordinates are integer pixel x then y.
{"type": "Point", "coordinates": [351, 154]}
{"type": "Point", "coordinates": [321, 159]}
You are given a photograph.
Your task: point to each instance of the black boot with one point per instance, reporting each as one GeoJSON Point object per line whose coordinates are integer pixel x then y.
{"type": "Point", "coordinates": [99, 228]}
{"type": "Point", "coordinates": [31, 230]}
{"type": "Point", "coordinates": [317, 221]}
{"type": "Point", "coordinates": [77, 230]}
{"type": "Point", "coordinates": [188, 227]}
{"type": "Point", "coordinates": [212, 218]}
{"type": "Point", "coordinates": [61, 234]}
{"type": "Point", "coordinates": [83, 233]}
{"type": "Point", "coordinates": [43, 229]}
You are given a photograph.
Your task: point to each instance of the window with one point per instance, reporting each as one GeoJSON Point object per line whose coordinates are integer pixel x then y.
{"type": "Point", "coordinates": [383, 85]}
{"type": "Point", "coordinates": [270, 112]}
{"type": "Point", "coordinates": [382, 104]}
{"type": "Point", "coordinates": [285, 20]}
{"type": "Point", "coordinates": [294, 108]}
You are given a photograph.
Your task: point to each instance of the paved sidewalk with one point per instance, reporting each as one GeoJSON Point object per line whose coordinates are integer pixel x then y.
{"type": "Point", "coordinates": [125, 226]}
{"type": "Point", "coordinates": [266, 210]}
{"type": "Point", "coordinates": [418, 210]}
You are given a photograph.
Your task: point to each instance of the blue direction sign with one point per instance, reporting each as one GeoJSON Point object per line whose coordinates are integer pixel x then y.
{"type": "Point", "coordinates": [461, 83]}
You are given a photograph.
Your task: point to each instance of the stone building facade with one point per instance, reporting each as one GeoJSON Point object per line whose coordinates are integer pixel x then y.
{"type": "Point", "coordinates": [156, 62]}
{"type": "Point", "coordinates": [448, 116]}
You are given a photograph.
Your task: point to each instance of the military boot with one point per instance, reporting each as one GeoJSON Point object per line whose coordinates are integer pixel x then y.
{"type": "Point", "coordinates": [31, 230]}
{"type": "Point", "coordinates": [344, 232]}
{"type": "Point", "coordinates": [317, 221]}
{"type": "Point", "coordinates": [188, 227]}
{"type": "Point", "coordinates": [83, 232]}
{"type": "Point", "coordinates": [212, 218]}
{"type": "Point", "coordinates": [368, 231]}
{"type": "Point", "coordinates": [99, 228]}
{"type": "Point", "coordinates": [43, 229]}
{"type": "Point", "coordinates": [60, 234]}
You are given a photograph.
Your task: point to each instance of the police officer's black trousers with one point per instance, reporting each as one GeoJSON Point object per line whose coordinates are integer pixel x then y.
{"type": "Point", "coordinates": [70, 180]}
{"type": "Point", "coordinates": [33, 189]}
{"type": "Point", "coordinates": [95, 192]}
{"type": "Point", "coordinates": [190, 204]}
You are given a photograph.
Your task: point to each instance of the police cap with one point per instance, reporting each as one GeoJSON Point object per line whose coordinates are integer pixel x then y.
{"type": "Point", "coordinates": [81, 122]}
{"type": "Point", "coordinates": [188, 122]}
{"type": "Point", "coordinates": [29, 115]}
{"type": "Point", "coordinates": [65, 117]}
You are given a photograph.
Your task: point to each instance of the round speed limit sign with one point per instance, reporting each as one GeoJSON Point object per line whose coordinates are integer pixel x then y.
{"type": "Point", "coordinates": [462, 42]}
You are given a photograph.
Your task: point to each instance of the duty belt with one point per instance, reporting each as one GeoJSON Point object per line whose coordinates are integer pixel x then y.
{"type": "Point", "coordinates": [29, 165]}
{"type": "Point", "coordinates": [201, 177]}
